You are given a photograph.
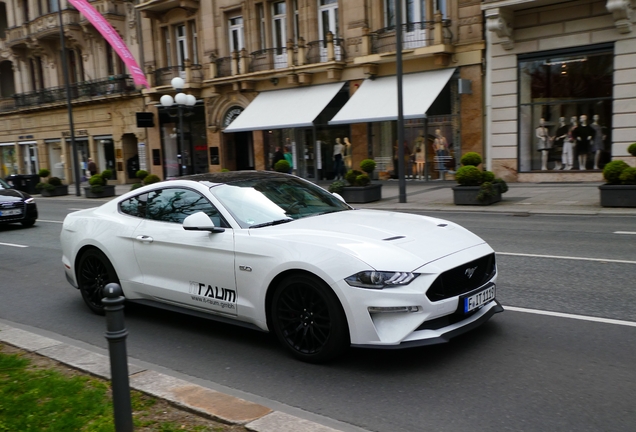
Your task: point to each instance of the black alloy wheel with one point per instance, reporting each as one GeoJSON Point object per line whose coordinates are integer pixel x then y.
{"type": "Point", "coordinates": [94, 272]}
{"type": "Point", "coordinates": [309, 320]}
{"type": "Point", "coordinates": [28, 223]}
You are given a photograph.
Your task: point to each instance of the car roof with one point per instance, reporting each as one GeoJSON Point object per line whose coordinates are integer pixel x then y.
{"type": "Point", "coordinates": [235, 176]}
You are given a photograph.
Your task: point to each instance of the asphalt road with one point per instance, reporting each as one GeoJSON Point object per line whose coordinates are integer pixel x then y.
{"type": "Point", "coordinates": [520, 371]}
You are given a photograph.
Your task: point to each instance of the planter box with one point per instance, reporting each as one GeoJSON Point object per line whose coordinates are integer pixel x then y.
{"type": "Point", "coordinates": [108, 191]}
{"type": "Point", "coordinates": [60, 190]}
{"type": "Point", "coordinates": [467, 195]}
{"type": "Point", "coordinates": [362, 194]}
{"type": "Point", "coordinates": [618, 195]}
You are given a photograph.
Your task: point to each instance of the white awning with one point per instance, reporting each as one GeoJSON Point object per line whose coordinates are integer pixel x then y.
{"type": "Point", "coordinates": [289, 108]}
{"type": "Point", "coordinates": [376, 100]}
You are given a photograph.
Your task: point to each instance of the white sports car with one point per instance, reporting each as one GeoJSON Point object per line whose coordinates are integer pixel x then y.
{"type": "Point", "coordinates": [277, 253]}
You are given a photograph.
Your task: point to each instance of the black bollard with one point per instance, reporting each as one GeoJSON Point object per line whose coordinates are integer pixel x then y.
{"type": "Point", "coordinates": [116, 335]}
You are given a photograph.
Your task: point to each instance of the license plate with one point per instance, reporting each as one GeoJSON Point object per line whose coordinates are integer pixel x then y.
{"type": "Point", "coordinates": [479, 299]}
{"type": "Point", "coordinates": [10, 212]}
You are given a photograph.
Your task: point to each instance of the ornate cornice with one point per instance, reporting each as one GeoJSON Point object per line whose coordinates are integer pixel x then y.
{"type": "Point", "coordinates": [501, 22]}
{"type": "Point", "coordinates": [621, 10]}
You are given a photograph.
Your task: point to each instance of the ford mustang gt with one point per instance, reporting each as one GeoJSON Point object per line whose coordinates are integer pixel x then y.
{"type": "Point", "coordinates": [280, 254]}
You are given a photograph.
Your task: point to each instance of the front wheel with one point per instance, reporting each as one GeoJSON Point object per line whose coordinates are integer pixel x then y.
{"type": "Point", "coordinates": [94, 272]}
{"type": "Point", "coordinates": [28, 223]}
{"type": "Point", "coordinates": [309, 320]}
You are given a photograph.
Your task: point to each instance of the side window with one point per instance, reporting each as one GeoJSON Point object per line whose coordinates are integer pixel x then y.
{"type": "Point", "coordinates": [176, 204]}
{"type": "Point", "coordinates": [135, 206]}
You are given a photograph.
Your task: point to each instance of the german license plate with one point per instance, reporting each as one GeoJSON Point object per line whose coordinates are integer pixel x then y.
{"type": "Point", "coordinates": [10, 212]}
{"type": "Point", "coordinates": [479, 299]}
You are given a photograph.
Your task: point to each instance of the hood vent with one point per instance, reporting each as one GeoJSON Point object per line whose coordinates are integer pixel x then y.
{"type": "Point", "coordinates": [393, 238]}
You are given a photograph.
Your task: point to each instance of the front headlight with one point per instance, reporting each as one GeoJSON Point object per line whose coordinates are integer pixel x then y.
{"type": "Point", "coordinates": [29, 200]}
{"type": "Point", "coordinates": [380, 279]}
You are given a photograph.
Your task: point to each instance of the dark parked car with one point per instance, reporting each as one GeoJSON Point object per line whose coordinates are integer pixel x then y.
{"type": "Point", "coordinates": [16, 206]}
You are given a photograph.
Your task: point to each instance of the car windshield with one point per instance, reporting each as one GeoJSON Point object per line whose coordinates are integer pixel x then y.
{"type": "Point", "coordinates": [265, 202]}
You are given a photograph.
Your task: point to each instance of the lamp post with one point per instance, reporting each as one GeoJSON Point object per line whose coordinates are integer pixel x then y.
{"type": "Point", "coordinates": [182, 100]}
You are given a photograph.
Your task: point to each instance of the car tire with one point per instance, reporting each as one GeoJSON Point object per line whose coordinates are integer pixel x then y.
{"type": "Point", "coordinates": [28, 222]}
{"type": "Point", "coordinates": [94, 272]}
{"type": "Point", "coordinates": [308, 319]}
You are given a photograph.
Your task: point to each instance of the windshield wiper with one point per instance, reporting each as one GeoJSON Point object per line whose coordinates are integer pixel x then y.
{"type": "Point", "coordinates": [272, 223]}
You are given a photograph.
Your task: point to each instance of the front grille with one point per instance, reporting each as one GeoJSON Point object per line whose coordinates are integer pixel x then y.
{"type": "Point", "coordinates": [11, 206]}
{"type": "Point", "coordinates": [462, 279]}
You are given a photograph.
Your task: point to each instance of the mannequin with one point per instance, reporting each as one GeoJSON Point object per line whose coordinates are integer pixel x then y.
{"type": "Point", "coordinates": [559, 142]}
{"type": "Point", "coordinates": [583, 134]}
{"type": "Point", "coordinates": [440, 146]}
{"type": "Point", "coordinates": [420, 160]}
{"type": "Point", "coordinates": [347, 154]}
{"type": "Point", "coordinates": [338, 148]}
{"type": "Point", "coordinates": [544, 143]}
{"type": "Point", "coordinates": [598, 141]}
{"type": "Point", "coordinates": [568, 145]}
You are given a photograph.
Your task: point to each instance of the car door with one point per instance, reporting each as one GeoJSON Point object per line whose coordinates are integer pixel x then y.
{"type": "Point", "coordinates": [194, 269]}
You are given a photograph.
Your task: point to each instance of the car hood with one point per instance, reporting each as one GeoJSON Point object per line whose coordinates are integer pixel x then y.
{"type": "Point", "coordinates": [384, 240]}
{"type": "Point", "coordinates": [12, 195]}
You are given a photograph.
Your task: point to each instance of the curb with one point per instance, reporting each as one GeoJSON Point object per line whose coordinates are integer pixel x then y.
{"type": "Point", "coordinates": [195, 398]}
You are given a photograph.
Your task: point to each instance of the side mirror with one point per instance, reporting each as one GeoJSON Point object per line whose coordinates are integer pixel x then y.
{"type": "Point", "coordinates": [200, 222]}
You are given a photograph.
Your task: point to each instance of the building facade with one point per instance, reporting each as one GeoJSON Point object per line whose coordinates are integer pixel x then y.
{"type": "Point", "coordinates": [561, 88]}
{"type": "Point", "coordinates": [34, 119]}
{"type": "Point", "coordinates": [279, 74]}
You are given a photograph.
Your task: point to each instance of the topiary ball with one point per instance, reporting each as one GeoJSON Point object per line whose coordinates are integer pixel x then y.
{"type": "Point", "coordinates": [351, 176]}
{"type": "Point", "coordinates": [362, 180]}
{"type": "Point", "coordinates": [337, 187]}
{"type": "Point", "coordinates": [367, 165]}
{"type": "Point", "coordinates": [468, 175]}
{"type": "Point", "coordinates": [55, 181]}
{"type": "Point", "coordinates": [107, 174]}
{"type": "Point", "coordinates": [282, 166]}
{"type": "Point", "coordinates": [613, 170]}
{"type": "Point", "coordinates": [151, 178]}
{"type": "Point", "coordinates": [628, 176]}
{"type": "Point", "coordinates": [471, 158]}
{"type": "Point", "coordinates": [141, 174]}
{"type": "Point", "coordinates": [487, 176]}
{"type": "Point", "coordinates": [96, 180]}
{"type": "Point", "coordinates": [632, 149]}
{"type": "Point", "coordinates": [44, 172]}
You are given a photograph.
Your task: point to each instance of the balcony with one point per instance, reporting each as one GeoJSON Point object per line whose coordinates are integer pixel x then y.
{"type": "Point", "coordinates": [191, 73]}
{"type": "Point", "coordinates": [42, 27]}
{"type": "Point", "coordinates": [318, 51]}
{"type": "Point", "coordinates": [87, 91]}
{"type": "Point", "coordinates": [163, 6]}
{"type": "Point", "coordinates": [268, 59]}
{"type": "Point", "coordinates": [414, 35]}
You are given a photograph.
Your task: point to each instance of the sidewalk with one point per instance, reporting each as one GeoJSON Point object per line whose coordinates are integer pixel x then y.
{"type": "Point", "coordinates": [580, 198]}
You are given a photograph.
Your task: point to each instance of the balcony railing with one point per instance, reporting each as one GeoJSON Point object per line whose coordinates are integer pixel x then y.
{"type": "Point", "coordinates": [163, 76]}
{"type": "Point", "coordinates": [267, 59]}
{"type": "Point", "coordinates": [414, 35]}
{"type": "Point", "coordinates": [318, 51]}
{"type": "Point", "coordinates": [223, 67]}
{"type": "Point", "coordinates": [85, 90]}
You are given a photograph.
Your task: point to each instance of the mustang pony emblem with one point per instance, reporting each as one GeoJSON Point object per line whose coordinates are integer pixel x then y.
{"type": "Point", "coordinates": [470, 271]}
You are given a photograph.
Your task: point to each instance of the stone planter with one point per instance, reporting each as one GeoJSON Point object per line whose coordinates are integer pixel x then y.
{"type": "Point", "coordinates": [618, 195]}
{"type": "Point", "coordinates": [60, 190]}
{"type": "Point", "coordinates": [108, 191]}
{"type": "Point", "coordinates": [467, 195]}
{"type": "Point", "coordinates": [362, 194]}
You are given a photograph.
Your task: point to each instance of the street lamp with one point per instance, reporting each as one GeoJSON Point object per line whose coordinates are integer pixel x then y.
{"type": "Point", "coordinates": [182, 100]}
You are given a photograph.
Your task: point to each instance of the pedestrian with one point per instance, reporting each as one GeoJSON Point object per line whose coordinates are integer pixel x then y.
{"type": "Point", "coordinates": [289, 159]}
{"type": "Point", "coordinates": [92, 167]}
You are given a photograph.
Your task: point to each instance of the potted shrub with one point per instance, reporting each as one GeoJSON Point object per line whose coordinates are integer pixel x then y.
{"type": "Point", "coordinates": [620, 187]}
{"type": "Point", "coordinates": [52, 186]}
{"type": "Point", "coordinates": [358, 187]}
{"type": "Point", "coordinates": [282, 166]}
{"type": "Point", "coordinates": [98, 186]}
{"type": "Point", "coordinates": [476, 187]}
{"type": "Point", "coordinates": [141, 175]}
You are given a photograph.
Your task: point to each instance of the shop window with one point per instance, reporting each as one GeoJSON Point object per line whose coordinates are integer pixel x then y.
{"type": "Point", "coordinates": [565, 109]}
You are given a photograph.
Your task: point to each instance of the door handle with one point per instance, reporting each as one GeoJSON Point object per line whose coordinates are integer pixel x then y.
{"type": "Point", "coordinates": [144, 238]}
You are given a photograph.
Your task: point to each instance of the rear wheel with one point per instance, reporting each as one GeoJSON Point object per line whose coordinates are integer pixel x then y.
{"type": "Point", "coordinates": [308, 319]}
{"type": "Point", "coordinates": [94, 272]}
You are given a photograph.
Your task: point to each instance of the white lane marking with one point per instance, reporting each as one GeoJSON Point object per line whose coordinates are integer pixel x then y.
{"type": "Point", "coordinates": [624, 232]}
{"type": "Point", "coordinates": [567, 257]}
{"type": "Point", "coordinates": [49, 221]}
{"type": "Point", "coordinates": [572, 316]}
{"type": "Point", "coordinates": [13, 245]}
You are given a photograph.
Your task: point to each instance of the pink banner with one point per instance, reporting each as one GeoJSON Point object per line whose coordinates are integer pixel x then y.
{"type": "Point", "coordinates": [112, 38]}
